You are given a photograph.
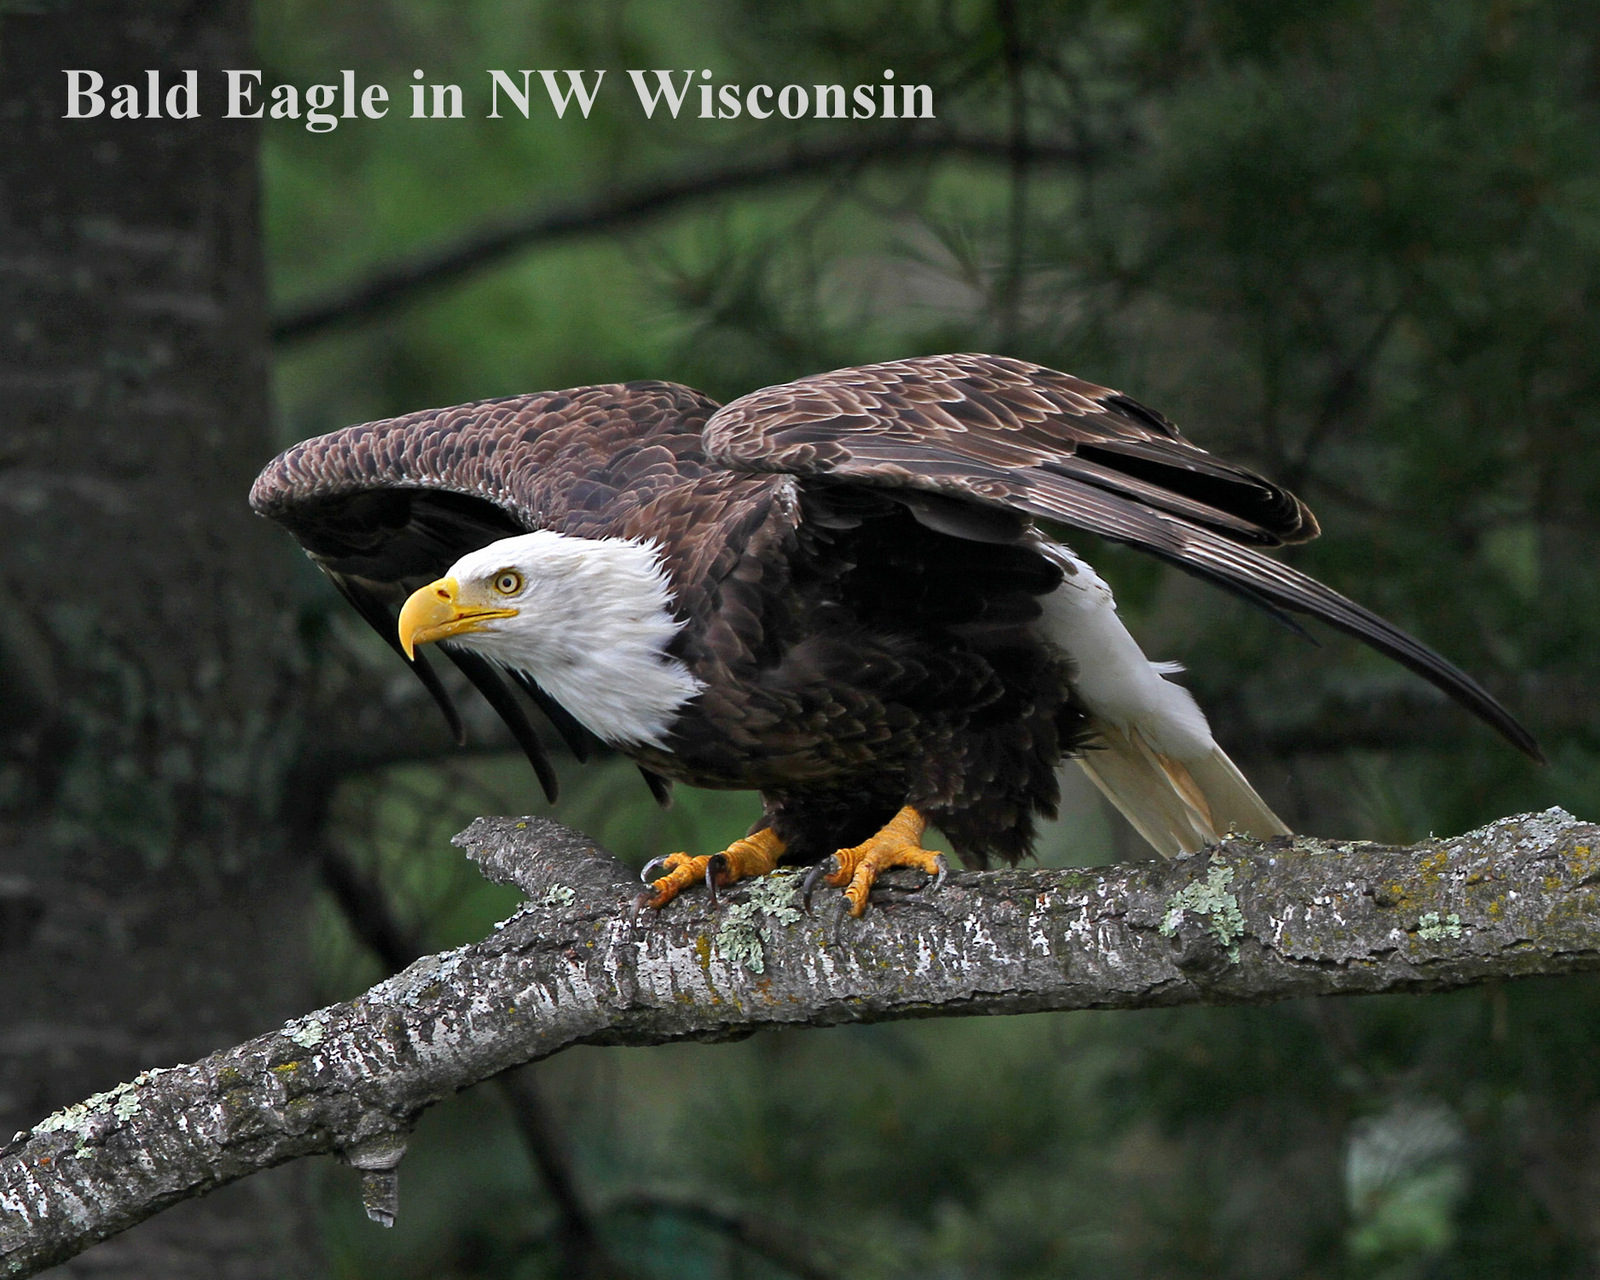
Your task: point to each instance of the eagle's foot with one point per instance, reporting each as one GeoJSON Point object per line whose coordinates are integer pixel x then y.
{"type": "Point", "coordinates": [898, 844]}
{"type": "Point", "coordinates": [755, 855]}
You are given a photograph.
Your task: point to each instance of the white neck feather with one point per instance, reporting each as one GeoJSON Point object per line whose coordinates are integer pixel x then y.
{"type": "Point", "coordinates": [594, 619]}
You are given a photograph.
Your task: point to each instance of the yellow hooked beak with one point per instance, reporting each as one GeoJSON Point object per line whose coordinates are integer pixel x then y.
{"type": "Point", "coordinates": [435, 612]}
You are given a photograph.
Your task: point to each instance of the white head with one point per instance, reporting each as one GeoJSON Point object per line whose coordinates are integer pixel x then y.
{"type": "Point", "coordinates": [589, 619]}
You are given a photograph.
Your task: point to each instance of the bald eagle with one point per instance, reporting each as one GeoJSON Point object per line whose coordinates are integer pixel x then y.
{"type": "Point", "coordinates": [849, 593]}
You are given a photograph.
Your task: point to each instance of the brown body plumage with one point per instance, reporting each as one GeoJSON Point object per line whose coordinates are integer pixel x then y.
{"type": "Point", "coordinates": [852, 558]}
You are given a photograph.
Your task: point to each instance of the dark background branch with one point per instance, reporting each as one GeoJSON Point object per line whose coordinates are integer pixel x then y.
{"type": "Point", "coordinates": [759, 1235]}
{"type": "Point", "coordinates": [399, 282]}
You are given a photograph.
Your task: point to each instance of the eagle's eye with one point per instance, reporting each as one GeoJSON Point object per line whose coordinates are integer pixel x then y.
{"type": "Point", "coordinates": [508, 582]}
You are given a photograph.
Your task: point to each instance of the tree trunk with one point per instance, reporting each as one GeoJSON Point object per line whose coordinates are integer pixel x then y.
{"type": "Point", "coordinates": [150, 908]}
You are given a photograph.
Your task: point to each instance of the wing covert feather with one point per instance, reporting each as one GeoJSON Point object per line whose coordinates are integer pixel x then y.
{"type": "Point", "coordinates": [536, 459]}
{"type": "Point", "coordinates": [1006, 433]}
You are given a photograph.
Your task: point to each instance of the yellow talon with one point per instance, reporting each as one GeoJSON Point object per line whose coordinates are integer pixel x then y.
{"type": "Point", "coordinates": [898, 844]}
{"type": "Point", "coordinates": [755, 855]}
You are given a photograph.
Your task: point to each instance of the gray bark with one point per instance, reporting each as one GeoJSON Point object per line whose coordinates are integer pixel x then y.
{"type": "Point", "coordinates": [1243, 923]}
{"type": "Point", "coordinates": [151, 902]}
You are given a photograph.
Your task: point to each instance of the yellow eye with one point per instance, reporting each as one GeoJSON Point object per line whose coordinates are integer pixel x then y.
{"type": "Point", "coordinates": [508, 583]}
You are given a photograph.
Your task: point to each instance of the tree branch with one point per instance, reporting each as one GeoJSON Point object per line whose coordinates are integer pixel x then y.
{"type": "Point", "coordinates": [1246, 923]}
{"type": "Point", "coordinates": [367, 910]}
{"type": "Point", "coordinates": [783, 1249]}
{"type": "Point", "coordinates": [396, 283]}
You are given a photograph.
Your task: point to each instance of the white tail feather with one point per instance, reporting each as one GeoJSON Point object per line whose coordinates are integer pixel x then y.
{"type": "Point", "coordinates": [1235, 806]}
{"type": "Point", "coordinates": [1111, 675]}
{"type": "Point", "coordinates": [1157, 761]}
{"type": "Point", "coordinates": [1177, 806]}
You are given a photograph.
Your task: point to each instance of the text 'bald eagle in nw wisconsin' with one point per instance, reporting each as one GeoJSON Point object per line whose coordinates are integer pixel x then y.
{"type": "Point", "coordinates": [847, 592]}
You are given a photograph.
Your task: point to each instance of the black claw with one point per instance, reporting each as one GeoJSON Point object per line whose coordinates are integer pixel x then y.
{"type": "Point", "coordinates": [715, 863]}
{"type": "Point", "coordinates": [650, 866]}
{"type": "Point", "coordinates": [809, 884]}
{"type": "Point", "coordinates": [639, 904]}
{"type": "Point", "coordinates": [944, 870]}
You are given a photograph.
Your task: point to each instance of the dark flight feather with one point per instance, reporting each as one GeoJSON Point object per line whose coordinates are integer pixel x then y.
{"type": "Point", "coordinates": [488, 680]}
{"type": "Point", "coordinates": [577, 738]}
{"type": "Point", "coordinates": [382, 620]}
{"type": "Point", "coordinates": [660, 788]}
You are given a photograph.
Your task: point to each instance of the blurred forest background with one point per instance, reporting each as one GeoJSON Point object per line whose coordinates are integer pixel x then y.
{"type": "Point", "coordinates": [1355, 244]}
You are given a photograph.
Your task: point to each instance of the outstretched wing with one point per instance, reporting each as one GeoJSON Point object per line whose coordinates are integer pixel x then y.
{"type": "Point", "coordinates": [1006, 433]}
{"type": "Point", "coordinates": [384, 507]}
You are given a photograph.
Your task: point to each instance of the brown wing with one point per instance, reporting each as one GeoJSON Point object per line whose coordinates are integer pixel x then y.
{"type": "Point", "coordinates": [385, 507]}
{"type": "Point", "coordinates": [1006, 433]}
{"type": "Point", "coordinates": [392, 496]}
